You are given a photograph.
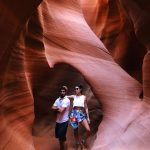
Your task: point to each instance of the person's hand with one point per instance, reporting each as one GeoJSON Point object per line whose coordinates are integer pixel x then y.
{"type": "Point", "coordinates": [56, 110]}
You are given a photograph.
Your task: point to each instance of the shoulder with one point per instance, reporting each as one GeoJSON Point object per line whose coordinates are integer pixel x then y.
{"type": "Point", "coordinates": [57, 100]}
{"type": "Point", "coordinates": [66, 102]}
{"type": "Point", "coordinates": [84, 96]}
{"type": "Point", "coordinates": [66, 99]}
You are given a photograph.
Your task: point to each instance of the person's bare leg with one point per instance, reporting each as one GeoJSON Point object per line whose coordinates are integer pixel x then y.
{"type": "Point", "coordinates": [87, 127]}
{"type": "Point", "coordinates": [77, 139]}
{"type": "Point", "coordinates": [63, 145]}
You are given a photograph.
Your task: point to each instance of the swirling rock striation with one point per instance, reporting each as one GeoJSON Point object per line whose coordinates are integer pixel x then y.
{"type": "Point", "coordinates": [102, 44]}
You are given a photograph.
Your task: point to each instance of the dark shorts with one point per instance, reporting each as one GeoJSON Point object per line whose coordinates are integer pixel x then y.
{"type": "Point", "coordinates": [61, 130]}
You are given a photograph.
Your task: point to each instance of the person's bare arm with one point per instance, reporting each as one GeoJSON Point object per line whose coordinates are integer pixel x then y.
{"type": "Point", "coordinates": [62, 109]}
{"type": "Point", "coordinates": [71, 97]}
{"type": "Point", "coordinates": [86, 109]}
{"type": "Point", "coordinates": [55, 108]}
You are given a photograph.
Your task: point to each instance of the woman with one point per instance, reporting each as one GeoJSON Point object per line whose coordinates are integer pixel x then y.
{"type": "Point", "coordinates": [79, 114]}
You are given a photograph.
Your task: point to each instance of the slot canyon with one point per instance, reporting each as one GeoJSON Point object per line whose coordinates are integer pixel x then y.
{"type": "Point", "coordinates": [102, 44]}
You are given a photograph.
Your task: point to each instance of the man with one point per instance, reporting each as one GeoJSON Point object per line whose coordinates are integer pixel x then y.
{"type": "Point", "coordinates": [61, 106]}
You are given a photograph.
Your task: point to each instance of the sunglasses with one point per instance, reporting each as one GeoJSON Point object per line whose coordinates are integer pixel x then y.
{"type": "Point", "coordinates": [76, 88]}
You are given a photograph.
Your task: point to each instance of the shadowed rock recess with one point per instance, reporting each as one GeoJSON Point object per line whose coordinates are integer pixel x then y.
{"type": "Point", "coordinates": [102, 44]}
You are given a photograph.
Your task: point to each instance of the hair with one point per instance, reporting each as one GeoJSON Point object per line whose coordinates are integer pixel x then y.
{"type": "Point", "coordinates": [80, 87]}
{"type": "Point", "coordinates": [64, 88]}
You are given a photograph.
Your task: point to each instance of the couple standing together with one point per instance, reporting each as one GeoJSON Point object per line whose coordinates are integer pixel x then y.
{"type": "Point", "coordinates": [79, 115]}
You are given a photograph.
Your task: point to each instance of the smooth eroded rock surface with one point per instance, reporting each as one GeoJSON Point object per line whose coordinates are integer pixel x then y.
{"type": "Point", "coordinates": [101, 44]}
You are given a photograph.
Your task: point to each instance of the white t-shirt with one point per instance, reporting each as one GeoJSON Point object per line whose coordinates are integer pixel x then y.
{"type": "Point", "coordinates": [79, 101]}
{"type": "Point", "coordinates": [62, 102]}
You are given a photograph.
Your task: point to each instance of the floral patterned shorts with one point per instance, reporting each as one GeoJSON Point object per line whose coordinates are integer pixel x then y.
{"type": "Point", "coordinates": [76, 116]}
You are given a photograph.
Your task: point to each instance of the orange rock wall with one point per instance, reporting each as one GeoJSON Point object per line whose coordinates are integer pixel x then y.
{"type": "Point", "coordinates": [102, 44]}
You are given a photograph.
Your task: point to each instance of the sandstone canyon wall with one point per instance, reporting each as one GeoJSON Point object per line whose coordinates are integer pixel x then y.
{"type": "Point", "coordinates": [102, 44]}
